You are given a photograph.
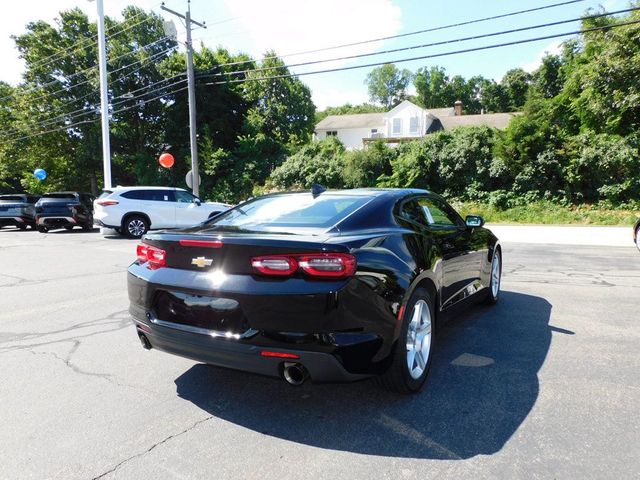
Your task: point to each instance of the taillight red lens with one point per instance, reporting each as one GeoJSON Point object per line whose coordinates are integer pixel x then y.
{"type": "Point", "coordinates": [154, 257]}
{"type": "Point", "coordinates": [279, 265]}
{"type": "Point", "coordinates": [107, 203]}
{"type": "Point", "coordinates": [325, 265]}
{"type": "Point", "coordinates": [267, 353]}
{"type": "Point", "coordinates": [142, 252]}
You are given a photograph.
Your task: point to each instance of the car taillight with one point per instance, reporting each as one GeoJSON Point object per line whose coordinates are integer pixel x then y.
{"type": "Point", "coordinates": [107, 203]}
{"type": "Point", "coordinates": [275, 265]}
{"type": "Point", "coordinates": [324, 265]}
{"type": "Point", "coordinates": [155, 257]}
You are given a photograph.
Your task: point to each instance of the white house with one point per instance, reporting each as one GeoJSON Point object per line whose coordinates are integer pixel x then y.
{"type": "Point", "coordinates": [404, 122]}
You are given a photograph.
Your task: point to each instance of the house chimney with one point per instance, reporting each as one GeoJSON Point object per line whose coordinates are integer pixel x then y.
{"type": "Point", "coordinates": [458, 108]}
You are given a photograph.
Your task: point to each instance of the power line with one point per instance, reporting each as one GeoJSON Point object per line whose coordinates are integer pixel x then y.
{"type": "Point", "coordinates": [69, 50]}
{"type": "Point", "coordinates": [73, 125]}
{"type": "Point", "coordinates": [423, 57]}
{"type": "Point", "coordinates": [401, 35]}
{"type": "Point", "coordinates": [87, 110]}
{"type": "Point", "coordinates": [88, 69]}
{"type": "Point", "coordinates": [414, 47]}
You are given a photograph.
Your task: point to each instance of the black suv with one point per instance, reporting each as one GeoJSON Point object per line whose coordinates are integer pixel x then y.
{"type": "Point", "coordinates": [18, 210]}
{"type": "Point", "coordinates": [64, 209]}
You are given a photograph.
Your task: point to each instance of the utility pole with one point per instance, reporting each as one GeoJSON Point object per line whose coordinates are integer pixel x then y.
{"type": "Point", "coordinates": [195, 176]}
{"type": "Point", "coordinates": [104, 98]}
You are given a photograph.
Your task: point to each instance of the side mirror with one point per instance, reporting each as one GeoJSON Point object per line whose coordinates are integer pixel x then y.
{"type": "Point", "coordinates": [197, 201]}
{"type": "Point", "coordinates": [474, 221]}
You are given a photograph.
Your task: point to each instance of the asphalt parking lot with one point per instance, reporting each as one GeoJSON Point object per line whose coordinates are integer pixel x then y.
{"type": "Point", "coordinates": [543, 385]}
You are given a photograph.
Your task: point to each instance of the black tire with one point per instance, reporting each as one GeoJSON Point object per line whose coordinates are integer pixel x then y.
{"type": "Point", "coordinates": [493, 296]}
{"type": "Point", "coordinates": [42, 229]}
{"type": "Point", "coordinates": [398, 378]}
{"type": "Point", "coordinates": [135, 226]}
{"type": "Point", "coordinates": [68, 227]}
{"type": "Point", "coordinates": [22, 227]}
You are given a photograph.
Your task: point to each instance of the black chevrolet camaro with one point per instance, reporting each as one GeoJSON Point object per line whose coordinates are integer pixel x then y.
{"type": "Point", "coordinates": [327, 285]}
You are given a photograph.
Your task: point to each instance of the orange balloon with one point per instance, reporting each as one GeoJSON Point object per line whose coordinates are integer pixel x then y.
{"type": "Point", "coordinates": [166, 160]}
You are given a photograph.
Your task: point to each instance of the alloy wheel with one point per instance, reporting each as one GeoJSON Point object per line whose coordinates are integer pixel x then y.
{"type": "Point", "coordinates": [419, 339]}
{"type": "Point", "coordinates": [136, 227]}
{"type": "Point", "coordinates": [495, 275]}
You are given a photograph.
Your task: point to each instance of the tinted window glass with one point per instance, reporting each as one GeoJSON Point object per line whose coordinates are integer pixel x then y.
{"type": "Point", "coordinates": [58, 197]}
{"type": "Point", "coordinates": [11, 198]}
{"type": "Point", "coordinates": [106, 193]}
{"type": "Point", "coordinates": [438, 213]}
{"type": "Point", "coordinates": [413, 211]}
{"type": "Point", "coordinates": [135, 195]}
{"type": "Point", "coordinates": [295, 210]}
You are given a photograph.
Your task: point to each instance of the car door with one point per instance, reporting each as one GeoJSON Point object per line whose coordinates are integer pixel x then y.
{"type": "Point", "coordinates": [163, 204]}
{"type": "Point", "coordinates": [189, 212]}
{"type": "Point", "coordinates": [461, 267]}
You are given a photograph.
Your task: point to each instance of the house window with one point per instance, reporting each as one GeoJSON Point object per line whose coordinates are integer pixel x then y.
{"type": "Point", "coordinates": [397, 126]}
{"type": "Point", "coordinates": [413, 125]}
{"type": "Point", "coordinates": [332, 133]}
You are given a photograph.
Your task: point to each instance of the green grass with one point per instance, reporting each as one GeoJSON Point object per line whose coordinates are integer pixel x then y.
{"type": "Point", "coordinates": [550, 213]}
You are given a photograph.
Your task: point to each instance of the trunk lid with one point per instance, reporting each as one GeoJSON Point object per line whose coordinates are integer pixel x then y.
{"type": "Point", "coordinates": [232, 252]}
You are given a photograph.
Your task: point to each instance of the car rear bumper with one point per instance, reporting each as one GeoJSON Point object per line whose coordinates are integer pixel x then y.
{"type": "Point", "coordinates": [229, 353]}
{"type": "Point", "coordinates": [338, 335]}
{"type": "Point", "coordinates": [17, 221]}
{"type": "Point", "coordinates": [55, 221]}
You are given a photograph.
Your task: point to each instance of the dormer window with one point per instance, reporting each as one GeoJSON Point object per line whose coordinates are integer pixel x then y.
{"type": "Point", "coordinates": [397, 126]}
{"type": "Point", "coordinates": [413, 125]}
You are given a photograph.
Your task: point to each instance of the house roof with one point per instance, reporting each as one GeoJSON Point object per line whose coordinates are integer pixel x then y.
{"type": "Point", "coordinates": [356, 120]}
{"type": "Point", "coordinates": [442, 112]}
{"type": "Point", "coordinates": [496, 120]}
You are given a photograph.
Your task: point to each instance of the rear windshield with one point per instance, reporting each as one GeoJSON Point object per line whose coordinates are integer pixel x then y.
{"type": "Point", "coordinates": [58, 197]}
{"type": "Point", "coordinates": [11, 198]}
{"type": "Point", "coordinates": [280, 212]}
{"type": "Point", "coordinates": [105, 193]}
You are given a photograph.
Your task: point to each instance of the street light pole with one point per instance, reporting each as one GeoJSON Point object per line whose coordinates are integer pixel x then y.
{"type": "Point", "coordinates": [104, 98]}
{"type": "Point", "coordinates": [195, 176]}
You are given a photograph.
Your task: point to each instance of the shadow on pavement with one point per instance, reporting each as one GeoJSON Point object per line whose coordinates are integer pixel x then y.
{"type": "Point", "coordinates": [469, 407]}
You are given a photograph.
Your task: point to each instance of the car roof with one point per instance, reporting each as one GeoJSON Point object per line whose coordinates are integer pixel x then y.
{"type": "Point", "coordinates": [377, 192]}
{"type": "Point", "coordinates": [120, 188]}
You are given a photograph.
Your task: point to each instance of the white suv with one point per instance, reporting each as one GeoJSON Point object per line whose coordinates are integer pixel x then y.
{"type": "Point", "coordinates": [132, 211]}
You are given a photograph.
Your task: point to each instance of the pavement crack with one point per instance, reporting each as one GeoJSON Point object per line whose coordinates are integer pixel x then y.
{"type": "Point", "coordinates": [157, 444]}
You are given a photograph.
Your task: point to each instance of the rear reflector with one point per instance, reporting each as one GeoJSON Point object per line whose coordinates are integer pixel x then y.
{"type": "Point", "coordinates": [266, 353]}
{"type": "Point", "coordinates": [154, 257]}
{"type": "Point", "coordinates": [202, 243]}
{"type": "Point", "coordinates": [107, 203]}
{"type": "Point", "coordinates": [324, 265]}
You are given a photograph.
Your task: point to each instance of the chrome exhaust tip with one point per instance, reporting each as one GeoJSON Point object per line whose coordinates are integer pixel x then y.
{"type": "Point", "coordinates": [146, 344]}
{"type": "Point", "coordinates": [295, 374]}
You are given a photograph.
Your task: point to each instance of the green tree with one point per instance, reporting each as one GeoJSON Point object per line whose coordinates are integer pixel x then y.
{"type": "Point", "coordinates": [516, 84]}
{"type": "Point", "coordinates": [387, 84]}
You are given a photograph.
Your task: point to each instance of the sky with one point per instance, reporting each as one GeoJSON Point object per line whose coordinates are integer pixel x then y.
{"type": "Point", "coordinates": [293, 26]}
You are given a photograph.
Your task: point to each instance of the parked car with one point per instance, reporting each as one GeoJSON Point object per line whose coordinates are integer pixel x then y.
{"type": "Point", "coordinates": [18, 210]}
{"type": "Point", "coordinates": [336, 286]}
{"type": "Point", "coordinates": [64, 210]}
{"type": "Point", "coordinates": [636, 234]}
{"type": "Point", "coordinates": [132, 211]}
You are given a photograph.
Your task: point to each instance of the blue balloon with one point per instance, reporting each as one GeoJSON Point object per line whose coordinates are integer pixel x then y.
{"type": "Point", "coordinates": [40, 173]}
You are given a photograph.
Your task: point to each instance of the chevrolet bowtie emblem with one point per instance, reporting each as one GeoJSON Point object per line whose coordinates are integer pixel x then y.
{"type": "Point", "coordinates": [201, 262]}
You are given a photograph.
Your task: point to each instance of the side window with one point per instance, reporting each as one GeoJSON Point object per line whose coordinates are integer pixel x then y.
{"type": "Point", "coordinates": [136, 195]}
{"type": "Point", "coordinates": [168, 195]}
{"type": "Point", "coordinates": [438, 213]}
{"type": "Point", "coordinates": [184, 197]}
{"type": "Point", "coordinates": [413, 212]}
